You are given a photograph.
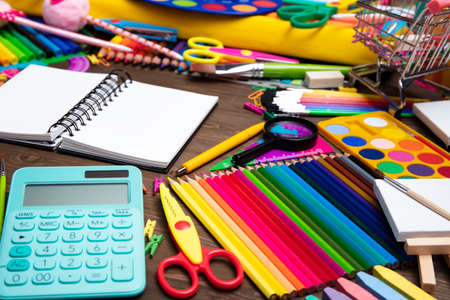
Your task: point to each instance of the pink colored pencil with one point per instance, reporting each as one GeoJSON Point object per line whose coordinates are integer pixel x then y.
{"type": "Point", "coordinates": [298, 245]}
{"type": "Point", "coordinates": [120, 31]}
{"type": "Point", "coordinates": [15, 16]}
{"type": "Point", "coordinates": [264, 232]}
{"type": "Point", "coordinates": [270, 207]}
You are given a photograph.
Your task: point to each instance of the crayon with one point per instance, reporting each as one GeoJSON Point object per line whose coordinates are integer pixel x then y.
{"type": "Point", "coordinates": [377, 287]}
{"type": "Point", "coordinates": [400, 283]}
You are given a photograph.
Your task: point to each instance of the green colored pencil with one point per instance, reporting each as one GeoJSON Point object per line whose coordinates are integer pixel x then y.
{"type": "Point", "coordinates": [300, 223]}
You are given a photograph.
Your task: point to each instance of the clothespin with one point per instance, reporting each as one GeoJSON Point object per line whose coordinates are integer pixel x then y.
{"type": "Point", "coordinates": [149, 228]}
{"type": "Point", "coordinates": [254, 108]}
{"type": "Point", "coordinates": [157, 181]}
{"type": "Point", "coordinates": [153, 245]}
{"type": "Point", "coordinates": [93, 59]}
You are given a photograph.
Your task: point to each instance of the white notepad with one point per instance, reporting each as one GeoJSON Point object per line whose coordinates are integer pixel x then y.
{"type": "Point", "coordinates": [436, 115]}
{"type": "Point", "coordinates": [407, 217]}
{"type": "Point", "coordinates": [143, 124]}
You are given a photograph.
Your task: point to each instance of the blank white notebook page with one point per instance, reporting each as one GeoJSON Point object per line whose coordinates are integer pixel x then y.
{"type": "Point", "coordinates": [38, 96]}
{"type": "Point", "coordinates": [407, 217]}
{"type": "Point", "coordinates": [146, 122]}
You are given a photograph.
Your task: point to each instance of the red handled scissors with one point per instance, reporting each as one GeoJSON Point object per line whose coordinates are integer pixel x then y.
{"type": "Point", "coordinates": [192, 257]}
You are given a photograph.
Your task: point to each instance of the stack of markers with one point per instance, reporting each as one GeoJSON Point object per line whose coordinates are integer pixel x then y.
{"type": "Point", "coordinates": [145, 56]}
{"type": "Point", "coordinates": [326, 102]}
{"type": "Point", "coordinates": [22, 45]}
{"type": "Point", "coordinates": [307, 223]}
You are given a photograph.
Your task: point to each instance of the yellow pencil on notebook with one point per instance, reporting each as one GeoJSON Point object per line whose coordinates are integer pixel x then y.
{"type": "Point", "coordinates": [259, 274]}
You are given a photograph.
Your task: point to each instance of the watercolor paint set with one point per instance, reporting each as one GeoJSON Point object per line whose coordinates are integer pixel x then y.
{"type": "Point", "coordinates": [384, 143]}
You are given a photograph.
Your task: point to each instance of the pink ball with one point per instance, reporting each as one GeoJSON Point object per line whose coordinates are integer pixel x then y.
{"type": "Point", "coordinates": [65, 14]}
{"type": "Point", "coordinates": [4, 7]}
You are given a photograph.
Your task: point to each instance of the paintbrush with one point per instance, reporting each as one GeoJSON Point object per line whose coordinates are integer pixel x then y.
{"type": "Point", "coordinates": [266, 70]}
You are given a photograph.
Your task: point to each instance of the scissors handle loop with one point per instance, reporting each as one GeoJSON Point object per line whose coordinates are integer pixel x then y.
{"type": "Point", "coordinates": [181, 261]}
{"type": "Point", "coordinates": [200, 42]}
{"type": "Point", "coordinates": [210, 254]}
{"type": "Point", "coordinates": [201, 56]}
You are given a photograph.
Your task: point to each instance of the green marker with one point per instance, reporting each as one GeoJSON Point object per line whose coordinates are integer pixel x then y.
{"type": "Point", "coordinates": [20, 55]}
{"type": "Point", "coordinates": [19, 45]}
{"type": "Point", "coordinates": [29, 44]}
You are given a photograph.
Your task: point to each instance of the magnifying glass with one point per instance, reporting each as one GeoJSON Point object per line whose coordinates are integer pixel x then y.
{"type": "Point", "coordinates": [284, 133]}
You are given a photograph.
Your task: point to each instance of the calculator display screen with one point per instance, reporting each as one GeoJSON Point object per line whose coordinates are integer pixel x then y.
{"type": "Point", "coordinates": [75, 194]}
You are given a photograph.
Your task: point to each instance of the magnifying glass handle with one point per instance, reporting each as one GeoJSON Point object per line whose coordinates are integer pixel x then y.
{"type": "Point", "coordinates": [247, 155]}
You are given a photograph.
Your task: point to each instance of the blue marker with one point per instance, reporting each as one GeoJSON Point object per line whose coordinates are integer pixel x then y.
{"type": "Point", "coordinates": [377, 287]}
{"type": "Point", "coordinates": [44, 40]}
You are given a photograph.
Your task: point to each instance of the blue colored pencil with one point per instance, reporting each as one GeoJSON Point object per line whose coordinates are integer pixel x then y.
{"type": "Point", "coordinates": [373, 251]}
{"type": "Point", "coordinates": [44, 40]}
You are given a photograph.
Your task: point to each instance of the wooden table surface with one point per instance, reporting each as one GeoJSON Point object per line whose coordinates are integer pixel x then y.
{"type": "Point", "coordinates": [226, 119]}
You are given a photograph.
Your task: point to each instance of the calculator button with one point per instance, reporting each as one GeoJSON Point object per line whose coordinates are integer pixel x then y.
{"type": "Point", "coordinates": [96, 262]}
{"type": "Point", "coordinates": [43, 278]}
{"type": "Point", "coordinates": [22, 238]}
{"type": "Point", "coordinates": [18, 265]}
{"type": "Point", "coordinates": [122, 249]}
{"type": "Point", "coordinates": [24, 226]}
{"type": "Point", "coordinates": [47, 237]}
{"type": "Point", "coordinates": [70, 263]}
{"type": "Point", "coordinates": [122, 236]}
{"type": "Point", "coordinates": [122, 212]}
{"type": "Point", "coordinates": [16, 279]}
{"type": "Point", "coordinates": [122, 270]}
{"type": "Point", "coordinates": [46, 250]}
{"type": "Point", "coordinates": [73, 225]}
{"type": "Point", "coordinates": [98, 213]}
{"type": "Point", "coordinates": [97, 224]}
{"type": "Point", "coordinates": [71, 249]}
{"type": "Point", "coordinates": [72, 237]}
{"type": "Point", "coordinates": [48, 225]}
{"type": "Point", "coordinates": [20, 251]}
{"type": "Point", "coordinates": [50, 214]}
{"type": "Point", "coordinates": [74, 213]}
{"type": "Point", "coordinates": [122, 223]}
{"type": "Point", "coordinates": [25, 215]}
{"type": "Point", "coordinates": [44, 264]}
{"type": "Point", "coordinates": [97, 249]}
{"type": "Point", "coordinates": [96, 276]}
{"type": "Point", "coordinates": [69, 277]}
{"type": "Point", "coordinates": [97, 236]}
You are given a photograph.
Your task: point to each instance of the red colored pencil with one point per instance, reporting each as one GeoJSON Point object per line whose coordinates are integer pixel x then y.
{"type": "Point", "coordinates": [299, 245]}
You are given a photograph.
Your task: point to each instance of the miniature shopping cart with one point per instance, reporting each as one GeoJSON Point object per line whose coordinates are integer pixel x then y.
{"type": "Point", "coordinates": [410, 37]}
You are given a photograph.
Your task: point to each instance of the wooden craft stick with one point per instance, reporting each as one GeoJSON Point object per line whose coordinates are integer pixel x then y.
{"type": "Point", "coordinates": [426, 272]}
{"type": "Point", "coordinates": [422, 246]}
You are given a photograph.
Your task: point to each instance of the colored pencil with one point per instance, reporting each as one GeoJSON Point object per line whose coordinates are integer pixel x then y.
{"type": "Point", "coordinates": [259, 274]}
{"type": "Point", "coordinates": [259, 227]}
{"type": "Point", "coordinates": [249, 232]}
{"type": "Point", "coordinates": [372, 252]}
{"type": "Point", "coordinates": [243, 236]}
{"type": "Point", "coordinates": [312, 237]}
{"type": "Point", "coordinates": [325, 241]}
{"type": "Point", "coordinates": [147, 60]}
{"type": "Point", "coordinates": [317, 218]}
{"type": "Point", "coordinates": [352, 171]}
{"type": "Point", "coordinates": [288, 227]}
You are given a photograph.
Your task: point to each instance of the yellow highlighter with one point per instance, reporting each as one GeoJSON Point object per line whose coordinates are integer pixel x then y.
{"type": "Point", "coordinates": [400, 283]}
{"type": "Point", "coordinates": [220, 149]}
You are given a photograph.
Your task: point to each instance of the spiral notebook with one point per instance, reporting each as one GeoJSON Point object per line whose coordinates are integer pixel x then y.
{"type": "Point", "coordinates": [105, 116]}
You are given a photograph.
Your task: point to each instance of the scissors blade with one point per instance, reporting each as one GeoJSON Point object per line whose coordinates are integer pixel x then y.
{"type": "Point", "coordinates": [181, 227]}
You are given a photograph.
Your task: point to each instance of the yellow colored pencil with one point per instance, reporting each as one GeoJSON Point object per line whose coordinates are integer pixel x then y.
{"type": "Point", "coordinates": [259, 274]}
{"type": "Point", "coordinates": [241, 234]}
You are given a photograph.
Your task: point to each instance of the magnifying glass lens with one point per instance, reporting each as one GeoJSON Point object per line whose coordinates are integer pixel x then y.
{"type": "Point", "coordinates": [290, 130]}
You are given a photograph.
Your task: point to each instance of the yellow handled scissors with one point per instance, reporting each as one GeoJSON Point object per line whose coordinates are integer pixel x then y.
{"type": "Point", "coordinates": [210, 51]}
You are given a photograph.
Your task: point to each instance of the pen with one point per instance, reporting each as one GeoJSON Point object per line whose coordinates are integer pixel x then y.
{"type": "Point", "coordinates": [2, 192]}
{"type": "Point", "coordinates": [219, 149]}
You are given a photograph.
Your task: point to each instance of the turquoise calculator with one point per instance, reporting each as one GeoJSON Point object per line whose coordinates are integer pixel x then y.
{"type": "Point", "coordinates": [73, 232]}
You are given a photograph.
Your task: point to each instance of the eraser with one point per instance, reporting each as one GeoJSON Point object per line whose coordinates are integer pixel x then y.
{"type": "Point", "coordinates": [324, 79]}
